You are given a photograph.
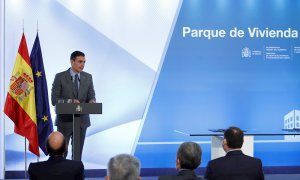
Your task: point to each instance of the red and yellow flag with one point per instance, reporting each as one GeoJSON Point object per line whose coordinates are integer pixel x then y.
{"type": "Point", "coordinates": [20, 99]}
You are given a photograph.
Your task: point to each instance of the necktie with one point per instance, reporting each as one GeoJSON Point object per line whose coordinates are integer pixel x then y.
{"type": "Point", "coordinates": [76, 86]}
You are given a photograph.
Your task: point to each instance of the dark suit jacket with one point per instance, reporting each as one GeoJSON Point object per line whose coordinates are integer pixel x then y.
{"type": "Point", "coordinates": [62, 88]}
{"type": "Point", "coordinates": [57, 168]}
{"type": "Point", "coordinates": [185, 174]}
{"type": "Point", "coordinates": [234, 166]}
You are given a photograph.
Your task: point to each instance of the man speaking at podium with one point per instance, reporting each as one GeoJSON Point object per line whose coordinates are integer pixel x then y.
{"type": "Point", "coordinates": [73, 85]}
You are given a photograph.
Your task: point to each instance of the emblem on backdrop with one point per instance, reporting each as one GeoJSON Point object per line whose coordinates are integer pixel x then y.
{"type": "Point", "coordinates": [246, 52]}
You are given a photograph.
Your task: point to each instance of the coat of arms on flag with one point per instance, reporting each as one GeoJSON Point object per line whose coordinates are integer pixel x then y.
{"type": "Point", "coordinates": [21, 85]}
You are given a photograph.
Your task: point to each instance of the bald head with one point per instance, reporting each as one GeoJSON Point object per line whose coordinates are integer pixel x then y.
{"type": "Point", "coordinates": [56, 144]}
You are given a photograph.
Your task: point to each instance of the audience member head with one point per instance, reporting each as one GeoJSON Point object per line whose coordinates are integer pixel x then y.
{"type": "Point", "coordinates": [233, 138]}
{"type": "Point", "coordinates": [123, 167]}
{"type": "Point", "coordinates": [188, 156]}
{"type": "Point", "coordinates": [56, 144]}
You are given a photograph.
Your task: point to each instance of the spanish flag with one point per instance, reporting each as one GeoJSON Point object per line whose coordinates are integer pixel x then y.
{"type": "Point", "coordinates": [20, 99]}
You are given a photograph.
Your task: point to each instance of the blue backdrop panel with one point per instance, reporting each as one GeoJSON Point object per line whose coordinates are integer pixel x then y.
{"type": "Point", "coordinates": [251, 81]}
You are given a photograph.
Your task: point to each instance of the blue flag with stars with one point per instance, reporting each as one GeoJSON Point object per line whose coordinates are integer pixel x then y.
{"type": "Point", "coordinates": [43, 116]}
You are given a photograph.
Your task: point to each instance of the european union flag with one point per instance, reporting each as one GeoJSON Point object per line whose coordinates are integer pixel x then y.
{"type": "Point", "coordinates": [44, 121]}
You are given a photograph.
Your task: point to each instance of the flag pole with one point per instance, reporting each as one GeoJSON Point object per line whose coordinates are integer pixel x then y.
{"type": "Point", "coordinates": [25, 152]}
{"type": "Point", "coordinates": [25, 157]}
{"type": "Point", "coordinates": [37, 30]}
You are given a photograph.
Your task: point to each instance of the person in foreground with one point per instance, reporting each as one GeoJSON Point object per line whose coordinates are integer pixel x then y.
{"type": "Point", "coordinates": [77, 86]}
{"type": "Point", "coordinates": [56, 167]}
{"type": "Point", "coordinates": [123, 167]}
{"type": "Point", "coordinates": [234, 165]}
{"type": "Point", "coordinates": [188, 158]}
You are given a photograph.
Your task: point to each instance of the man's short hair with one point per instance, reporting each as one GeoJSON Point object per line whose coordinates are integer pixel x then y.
{"type": "Point", "coordinates": [75, 54]}
{"type": "Point", "coordinates": [234, 137]}
{"type": "Point", "coordinates": [123, 166]}
{"type": "Point", "coordinates": [56, 152]}
{"type": "Point", "coordinates": [189, 155]}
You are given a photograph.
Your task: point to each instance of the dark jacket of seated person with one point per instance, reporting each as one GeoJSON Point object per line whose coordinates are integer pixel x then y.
{"type": "Point", "coordinates": [235, 166]}
{"type": "Point", "coordinates": [56, 167]}
{"type": "Point", "coordinates": [188, 158]}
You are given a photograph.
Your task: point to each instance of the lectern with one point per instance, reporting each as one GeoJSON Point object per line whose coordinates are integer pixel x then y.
{"type": "Point", "coordinates": [76, 109]}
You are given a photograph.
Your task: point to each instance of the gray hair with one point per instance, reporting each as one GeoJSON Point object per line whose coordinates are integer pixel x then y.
{"type": "Point", "coordinates": [123, 167]}
{"type": "Point", "coordinates": [189, 155]}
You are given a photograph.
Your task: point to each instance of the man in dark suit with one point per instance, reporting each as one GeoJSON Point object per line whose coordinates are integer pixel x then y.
{"type": "Point", "coordinates": [76, 86]}
{"type": "Point", "coordinates": [188, 158]}
{"type": "Point", "coordinates": [56, 167]}
{"type": "Point", "coordinates": [234, 165]}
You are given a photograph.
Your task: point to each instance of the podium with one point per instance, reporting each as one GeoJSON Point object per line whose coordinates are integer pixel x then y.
{"type": "Point", "coordinates": [76, 109]}
{"type": "Point", "coordinates": [218, 151]}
